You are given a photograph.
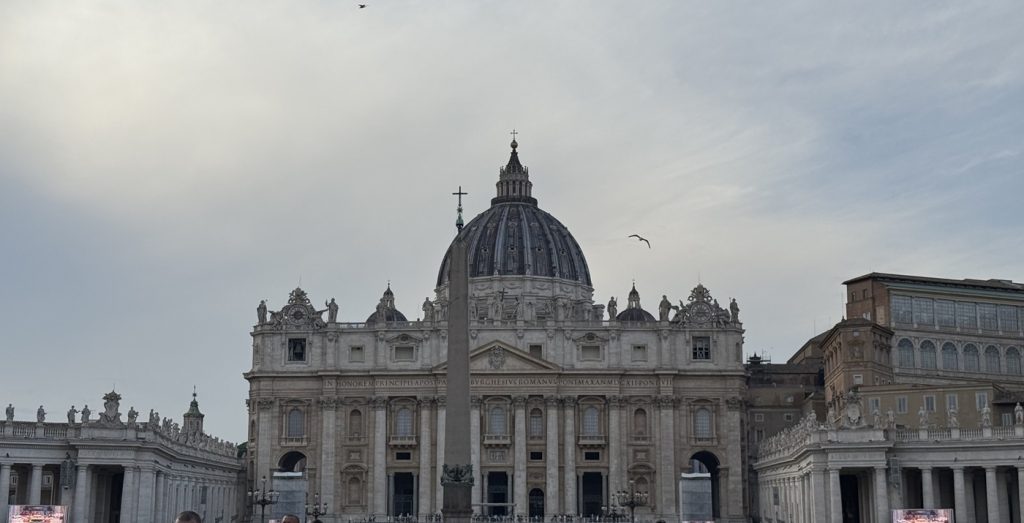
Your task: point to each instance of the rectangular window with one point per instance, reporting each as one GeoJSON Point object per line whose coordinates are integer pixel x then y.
{"type": "Point", "coordinates": [902, 310]}
{"type": "Point", "coordinates": [858, 379]}
{"type": "Point", "coordinates": [759, 417]}
{"type": "Point", "coordinates": [536, 455]}
{"type": "Point", "coordinates": [787, 417]}
{"type": "Point", "coordinates": [874, 405]}
{"type": "Point", "coordinates": [923, 314]}
{"type": "Point", "coordinates": [945, 313]}
{"type": "Point", "coordinates": [639, 353]}
{"type": "Point", "coordinates": [1007, 419]}
{"type": "Point", "coordinates": [929, 403]}
{"type": "Point", "coordinates": [403, 456]}
{"type": "Point", "coordinates": [296, 349]}
{"type": "Point", "coordinates": [1007, 318]}
{"type": "Point", "coordinates": [980, 400]}
{"type": "Point", "coordinates": [591, 456]}
{"type": "Point", "coordinates": [758, 435]}
{"type": "Point", "coordinates": [966, 315]}
{"type": "Point", "coordinates": [987, 317]}
{"type": "Point", "coordinates": [952, 402]}
{"type": "Point", "coordinates": [537, 351]}
{"type": "Point", "coordinates": [356, 355]}
{"type": "Point", "coordinates": [590, 352]}
{"type": "Point", "coordinates": [702, 347]}
{"type": "Point", "coordinates": [901, 404]}
{"type": "Point", "coordinates": [404, 354]}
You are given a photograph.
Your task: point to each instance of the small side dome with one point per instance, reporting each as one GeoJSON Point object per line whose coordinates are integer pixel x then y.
{"type": "Point", "coordinates": [386, 310]}
{"type": "Point", "coordinates": [633, 311]}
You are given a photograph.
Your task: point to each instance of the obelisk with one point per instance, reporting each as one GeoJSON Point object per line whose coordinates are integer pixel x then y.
{"type": "Point", "coordinates": [457, 475]}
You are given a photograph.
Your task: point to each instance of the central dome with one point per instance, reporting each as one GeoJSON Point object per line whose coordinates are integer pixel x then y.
{"type": "Point", "coordinates": [515, 237]}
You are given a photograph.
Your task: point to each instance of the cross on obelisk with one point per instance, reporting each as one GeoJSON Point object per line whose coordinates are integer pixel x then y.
{"type": "Point", "coordinates": [458, 220]}
{"type": "Point", "coordinates": [457, 472]}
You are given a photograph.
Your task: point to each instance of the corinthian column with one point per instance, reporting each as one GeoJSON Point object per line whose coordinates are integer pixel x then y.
{"type": "Point", "coordinates": [328, 457]}
{"type": "Point", "coordinates": [5, 487]}
{"type": "Point", "coordinates": [442, 414]}
{"type": "Point", "coordinates": [519, 468]}
{"type": "Point", "coordinates": [551, 499]}
{"type": "Point", "coordinates": [666, 456]}
{"type": "Point", "coordinates": [569, 446]}
{"type": "Point", "coordinates": [380, 429]}
{"type": "Point", "coordinates": [615, 446]}
{"type": "Point", "coordinates": [424, 445]}
{"type": "Point", "coordinates": [474, 445]}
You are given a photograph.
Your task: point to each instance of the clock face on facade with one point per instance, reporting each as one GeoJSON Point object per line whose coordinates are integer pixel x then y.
{"type": "Point", "coordinates": [297, 315]}
{"type": "Point", "coordinates": [700, 312]}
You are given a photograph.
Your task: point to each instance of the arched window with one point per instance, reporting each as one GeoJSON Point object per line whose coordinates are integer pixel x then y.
{"type": "Point", "coordinates": [590, 422]}
{"type": "Point", "coordinates": [355, 423]}
{"type": "Point", "coordinates": [497, 423]}
{"type": "Point", "coordinates": [906, 351]}
{"type": "Point", "coordinates": [355, 490]}
{"type": "Point", "coordinates": [1013, 361]}
{"type": "Point", "coordinates": [403, 422]}
{"type": "Point", "coordinates": [992, 360]}
{"type": "Point", "coordinates": [949, 357]}
{"type": "Point", "coordinates": [702, 424]}
{"type": "Point", "coordinates": [640, 422]}
{"type": "Point", "coordinates": [296, 424]}
{"type": "Point", "coordinates": [536, 423]}
{"type": "Point", "coordinates": [927, 355]}
{"type": "Point", "coordinates": [971, 358]}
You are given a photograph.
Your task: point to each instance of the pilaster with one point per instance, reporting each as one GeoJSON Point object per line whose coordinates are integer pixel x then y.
{"type": "Point", "coordinates": [551, 493]}
{"type": "Point", "coordinates": [380, 429]}
{"type": "Point", "coordinates": [519, 467]}
{"type": "Point", "coordinates": [569, 448]}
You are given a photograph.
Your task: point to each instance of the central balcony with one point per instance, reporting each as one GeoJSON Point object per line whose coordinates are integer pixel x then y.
{"type": "Point", "coordinates": [497, 440]}
{"type": "Point", "coordinates": [402, 442]}
{"type": "Point", "coordinates": [592, 440]}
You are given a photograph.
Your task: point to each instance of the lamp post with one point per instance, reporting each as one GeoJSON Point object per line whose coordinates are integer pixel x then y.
{"type": "Point", "coordinates": [631, 499]}
{"type": "Point", "coordinates": [263, 497]}
{"type": "Point", "coordinates": [317, 509]}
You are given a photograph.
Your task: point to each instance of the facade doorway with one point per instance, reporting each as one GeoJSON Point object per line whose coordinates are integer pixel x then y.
{"type": "Point", "coordinates": [405, 490]}
{"type": "Point", "coordinates": [591, 494]}
{"type": "Point", "coordinates": [536, 503]}
{"type": "Point", "coordinates": [848, 485]}
{"type": "Point", "coordinates": [497, 492]}
{"type": "Point", "coordinates": [705, 462]}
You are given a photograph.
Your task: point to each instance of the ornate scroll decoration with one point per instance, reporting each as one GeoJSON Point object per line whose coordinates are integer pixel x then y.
{"type": "Point", "coordinates": [457, 475]}
{"type": "Point", "coordinates": [329, 402]}
{"type": "Point", "coordinates": [569, 401]}
{"type": "Point", "coordinates": [496, 357]}
{"type": "Point", "coordinates": [665, 402]}
{"type": "Point", "coordinates": [552, 401]}
{"type": "Point", "coordinates": [617, 401]}
{"type": "Point", "coordinates": [379, 402]}
{"type": "Point", "coordinates": [298, 313]}
{"type": "Point", "coordinates": [519, 401]}
{"type": "Point", "coordinates": [734, 403]}
{"type": "Point", "coordinates": [264, 403]}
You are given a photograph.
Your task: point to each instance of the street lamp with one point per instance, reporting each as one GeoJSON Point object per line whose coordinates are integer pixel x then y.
{"type": "Point", "coordinates": [263, 497]}
{"type": "Point", "coordinates": [630, 499]}
{"type": "Point", "coordinates": [317, 509]}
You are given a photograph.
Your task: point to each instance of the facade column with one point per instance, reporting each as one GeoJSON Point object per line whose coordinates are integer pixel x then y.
{"type": "Point", "coordinates": [666, 466]}
{"type": "Point", "coordinates": [835, 496]}
{"type": "Point", "coordinates": [160, 499]}
{"type": "Point", "coordinates": [147, 494]}
{"type": "Point", "coordinates": [380, 429]}
{"type": "Point", "coordinates": [474, 445]}
{"type": "Point", "coordinates": [569, 447]}
{"type": "Point", "coordinates": [734, 457]}
{"type": "Point", "coordinates": [5, 488]}
{"type": "Point", "coordinates": [328, 448]}
{"type": "Point", "coordinates": [264, 439]}
{"type": "Point", "coordinates": [881, 495]}
{"type": "Point", "coordinates": [442, 409]}
{"type": "Point", "coordinates": [35, 484]}
{"type": "Point", "coordinates": [927, 498]}
{"type": "Point", "coordinates": [81, 505]}
{"type": "Point", "coordinates": [425, 481]}
{"type": "Point", "coordinates": [551, 490]}
{"type": "Point", "coordinates": [1020, 492]}
{"type": "Point", "coordinates": [992, 493]}
{"type": "Point", "coordinates": [519, 467]}
{"type": "Point", "coordinates": [127, 496]}
{"type": "Point", "coordinates": [615, 444]}
{"type": "Point", "coordinates": [959, 496]}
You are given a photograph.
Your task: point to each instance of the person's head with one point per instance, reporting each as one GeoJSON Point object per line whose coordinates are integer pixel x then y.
{"type": "Point", "coordinates": [188, 516]}
{"type": "Point", "coordinates": [290, 518]}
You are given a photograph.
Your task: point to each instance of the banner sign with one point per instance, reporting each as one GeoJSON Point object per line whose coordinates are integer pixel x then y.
{"type": "Point", "coordinates": [923, 515]}
{"type": "Point", "coordinates": [37, 514]}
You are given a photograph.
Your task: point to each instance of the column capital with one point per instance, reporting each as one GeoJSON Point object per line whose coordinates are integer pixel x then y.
{"type": "Point", "coordinates": [425, 402]}
{"type": "Point", "coordinates": [569, 401]}
{"type": "Point", "coordinates": [617, 401]}
{"type": "Point", "coordinates": [379, 402]}
{"type": "Point", "coordinates": [519, 402]}
{"type": "Point", "coordinates": [476, 401]}
{"type": "Point", "coordinates": [552, 401]}
{"type": "Point", "coordinates": [442, 401]}
{"type": "Point", "coordinates": [328, 402]}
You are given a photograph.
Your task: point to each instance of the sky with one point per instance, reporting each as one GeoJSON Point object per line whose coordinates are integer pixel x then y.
{"type": "Point", "coordinates": [166, 165]}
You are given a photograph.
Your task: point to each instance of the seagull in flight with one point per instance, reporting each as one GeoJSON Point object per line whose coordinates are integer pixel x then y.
{"type": "Point", "coordinates": [362, 6]}
{"type": "Point", "coordinates": [640, 238]}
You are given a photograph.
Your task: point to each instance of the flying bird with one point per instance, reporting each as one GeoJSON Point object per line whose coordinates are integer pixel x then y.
{"type": "Point", "coordinates": [640, 238]}
{"type": "Point", "coordinates": [362, 6]}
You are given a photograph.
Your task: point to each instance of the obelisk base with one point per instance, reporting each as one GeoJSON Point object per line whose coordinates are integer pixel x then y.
{"type": "Point", "coordinates": [457, 507]}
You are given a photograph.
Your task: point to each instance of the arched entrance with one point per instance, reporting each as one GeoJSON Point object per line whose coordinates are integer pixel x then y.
{"type": "Point", "coordinates": [536, 503]}
{"type": "Point", "coordinates": [707, 462]}
{"type": "Point", "coordinates": [293, 461]}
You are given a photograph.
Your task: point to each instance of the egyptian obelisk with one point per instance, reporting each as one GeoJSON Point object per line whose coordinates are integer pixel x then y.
{"type": "Point", "coordinates": [457, 477]}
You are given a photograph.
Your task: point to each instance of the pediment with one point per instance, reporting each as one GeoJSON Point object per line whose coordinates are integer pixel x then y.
{"type": "Point", "coordinates": [496, 356]}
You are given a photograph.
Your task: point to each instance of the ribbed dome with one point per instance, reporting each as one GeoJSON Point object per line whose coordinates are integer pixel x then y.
{"type": "Point", "coordinates": [515, 237]}
{"type": "Point", "coordinates": [634, 312]}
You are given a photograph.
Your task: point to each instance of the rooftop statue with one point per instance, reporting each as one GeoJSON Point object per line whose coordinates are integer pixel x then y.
{"type": "Point", "coordinates": [85, 414]}
{"type": "Point", "coordinates": [261, 312]}
{"type": "Point", "coordinates": [71, 415]}
{"type": "Point", "coordinates": [10, 412]}
{"type": "Point", "coordinates": [613, 308]}
{"type": "Point", "coordinates": [40, 414]}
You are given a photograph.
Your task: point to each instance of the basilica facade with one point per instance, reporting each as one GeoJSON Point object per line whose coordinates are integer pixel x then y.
{"type": "Point", "coordinates": [571, 400]}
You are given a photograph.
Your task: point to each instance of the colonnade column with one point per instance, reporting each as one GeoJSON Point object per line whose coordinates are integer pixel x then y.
{"type": "Point", "coordinates": [5, 488]}
{"type": "Point", "coordinates": [328, 447]}
{"type": "Point", "coordinates": [1020, 492]}
{"type": "Point", "coordinates": [442, 409]}
{"type": "Point", "coordinates": [35, 484]}
{"type": "Point", "coordinates": [614, 444]}
{"type": "Point", "coordinates": [160, 501]}
{"type": "Point", "coordinates": [569, 447]}
{"type": "Point", "coordinates": [927, 499]}
{"type": "Point", "coordinates": [519, 468]}
{"type": "Point", "coordinates": [881, 495]}
{"type": "Point", "coordinates": [959, 495]}
{"type": "Point", "coordinates": [666, 455]}
{"type": "Point", "coordinates": [835, 496]}
{"type": "Point", "coordinates": [128, 495]}
{"type": "Point", "coordinates": [380, 426]}
{"type": "Point", "coordinates": [474, 445]}
{"type": "Point", "coordinates": [147, 495]}
{"type": "Point", "coordinates": [551, 503]}
{"type": "Point", "coordinates": [991, 492]}
{"type": "Point", "coordinates": [425, 478]}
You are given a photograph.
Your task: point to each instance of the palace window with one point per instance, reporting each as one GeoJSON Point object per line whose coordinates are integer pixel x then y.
{"type": "Point", "coordinates": [759, 417]}
{"type": "Point", "coordinates": [1013, 361]}
{"type": "Point", "coordinates": [356, 355]}
{"type": "Point", "coordinates": [537, 351]}
{"type": "Point", "coordinates": [590, 352]}
{"type": "Point", "coordinates": [927, 355]}
{"type": "Point", "coordinates": [296, 423]}
{"type": "Point", "coordinates": [902, 310]}
{"type": "Point", "coordinates": [403, 422]}
{"type": "Point", "coordinates": [640, 422]}
{"type": "Point", "coordinates": [906, 352]}
{"type": "Point", "coordinates": [929, 403]}
{"type": "Point", "coordinates": [971, 358]}
{"type": "Point", "coordinates": [1007, 318]}
{"type": "Point", "coordinates": [536, 424]}
{"type": "Point", "coordinates": [966, 315]}
{"type": "Point", "coordinates": [355, 491]}
{"type": "Point", "coordinates": [987, 317]}
{"type": "Point", "coordinates": [591, 456]}
{"type": "Point", "coordinates": [952, 402]}
{"type": "Point", "coordinates": [901, 404]}
{"type": "Point", "coordinates": [404, 353]}
{"type": "Point", "coordinates": [945, 313]}
{"type": "Point", "coordinates": [701, 348]}
{"type": "Point", "coordinates": [591, 426]}
{"type": "Point", "coordinates": [296, 349]}
{"type": "Point", "coordinates": [403, 456]}
{"type": "Point", "coordinates": [497, 425]}
{"type": "Point", "coordinates": [923, 314]}
{"type": "Point", "coordinates": [536, 455]}
{"type": "Point", "coordinates": [992, 360]}
{"type": "Point", "coordinates": [702, 424]}
{"type": "Point", "coordinates": [355, 423]}
{"type": "Point", "coordinates": [875, 405]}
{"type": "Point", "coordinates": [949, 357]}
{"type": "Point", "coordinates": [980, 400]}
{"type": "Point", "coordinates": [639, 353]}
